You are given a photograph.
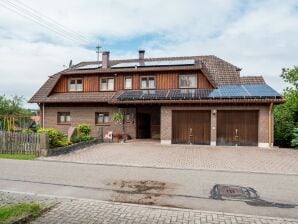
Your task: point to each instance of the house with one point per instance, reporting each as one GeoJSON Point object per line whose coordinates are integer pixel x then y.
{"type": "Point", "coordinates": [179, 100]}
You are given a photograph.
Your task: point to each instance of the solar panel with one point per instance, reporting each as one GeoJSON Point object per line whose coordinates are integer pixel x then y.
{"type": "Point", "coordinates": [155, 63]}
{"type": "Point", "coordinates": [261, 90]}
{"type": "Point", "coordinates": [91, 66]}
{"type": "Point", "coordinates": [126, 65]}
{"type": "Point", "coordinates": [169, 62]}
{"type": "Point", "coordinates": [223, 92]}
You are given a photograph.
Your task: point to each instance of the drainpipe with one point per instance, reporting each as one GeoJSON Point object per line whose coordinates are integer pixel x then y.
{"type": "Point", "coordinates": [270, 125]}
{"type": "Point", "coordinates": [43, 115]}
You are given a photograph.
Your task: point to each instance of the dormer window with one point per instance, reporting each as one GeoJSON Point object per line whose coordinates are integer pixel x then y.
{"type": "Point", "coordinates": [76, 85]}
{"type": "Point", "coordinates": [187, 81]}
{"type": "Point", "coordinates": [147, 82]}
{"type": "Point", "coordinates": [107, 84]}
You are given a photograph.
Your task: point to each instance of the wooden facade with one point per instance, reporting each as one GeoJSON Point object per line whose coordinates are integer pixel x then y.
{"type": "Point", "coordinates": [163, 80]}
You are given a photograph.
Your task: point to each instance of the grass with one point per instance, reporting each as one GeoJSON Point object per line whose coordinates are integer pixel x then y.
{"type": "Point", "coordinates": [9, 213]}
{"type": "Point", "coordinates": [17, 156]}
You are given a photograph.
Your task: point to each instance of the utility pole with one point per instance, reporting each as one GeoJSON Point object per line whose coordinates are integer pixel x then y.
{"type": "Point", "coordinates": [97, 51]}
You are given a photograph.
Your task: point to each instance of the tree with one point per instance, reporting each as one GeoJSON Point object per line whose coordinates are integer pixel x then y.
{"type": "Point", "coordinates": [286, 115]}
{"type": "Point", "coordinates": [120, 117]}
{"type": "Point", "coordinates": [13, 105]}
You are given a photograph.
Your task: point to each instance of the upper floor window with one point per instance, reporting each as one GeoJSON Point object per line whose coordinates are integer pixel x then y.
{"type": "Point", "coordinates": [101, 118]}
{"type": "Point", "coordinates": [148, 82]}
{"type": "Point", "coordinates": [107, 84]}
{"type": "Point", "coordinates": [188, 81]}
{"type": "Point", "coordinates": [76, 85]}
{"type": "Point", "coordinates": [63, 118]}
{"type": "Point", "coordinates": [128, 82]}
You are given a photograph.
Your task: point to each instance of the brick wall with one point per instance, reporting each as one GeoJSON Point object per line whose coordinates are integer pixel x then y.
{"type": "Point", "coordinates": [166, 121]}
{"type": "Point", "coordinates": [86, 114]}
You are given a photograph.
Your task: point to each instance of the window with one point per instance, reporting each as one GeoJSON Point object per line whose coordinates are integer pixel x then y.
{"type": "Point", "coordinates": [107, 84]}
{"type": "Point", "coordinates": [76, 85]}
{"type": "Point", "coordinates": [63, 117]}
{"type": "Point", "coordinates": [128, 83]}
{"type": "Point", "coordinates": [101, 118]}
{"type": "Point", "coordinates": [188, 81]}
{"type": "Point", "coordinates": [148, 82]}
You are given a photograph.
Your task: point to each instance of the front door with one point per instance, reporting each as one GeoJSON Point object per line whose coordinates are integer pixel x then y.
{"type": "Point", "coordinates": [191, 127]}
{"type": "Point", "coordinates": [143, 125]}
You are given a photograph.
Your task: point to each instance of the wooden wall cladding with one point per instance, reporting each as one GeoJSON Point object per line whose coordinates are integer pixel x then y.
{"type": "Point", "coordinates": [91, 84]}
{"type": "Point", "coordinates": [164, 80]}
{"type": "Point", "coordinates": [61, 86]}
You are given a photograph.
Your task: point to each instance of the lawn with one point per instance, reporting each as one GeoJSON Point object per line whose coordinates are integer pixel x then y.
{"type": "Point", "coordinates": [17, 156]}
{"type": "Point", "coordinates": [9, 213]}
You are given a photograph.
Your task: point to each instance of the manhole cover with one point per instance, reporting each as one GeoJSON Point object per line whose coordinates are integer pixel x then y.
{"type": "Point", "coordinates": [220, 191]}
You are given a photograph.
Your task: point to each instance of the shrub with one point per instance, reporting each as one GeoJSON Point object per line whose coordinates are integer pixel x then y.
{"type": "Point", "coordinates": [295, 138]}
{"type": "Point", "coordinates": [84, 129]}
{"type": "Point", "coordinates": [81, 138]}
{"type": "Point", "coordinates": [83, 134]}
{"type": "Point", "coordinates": [56, 138]}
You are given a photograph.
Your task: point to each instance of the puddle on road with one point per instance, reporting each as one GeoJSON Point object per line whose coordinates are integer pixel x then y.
{"type": "Point", "coordinates": [246, 194]}
{"type": "Point", "coordinates": [146, 192]}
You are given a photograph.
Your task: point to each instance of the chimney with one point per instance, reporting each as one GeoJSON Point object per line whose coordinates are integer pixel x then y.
{"type": "Point", "coordinates": [141, 57]}
{"type": "Point", "coordinates": [105, 59]}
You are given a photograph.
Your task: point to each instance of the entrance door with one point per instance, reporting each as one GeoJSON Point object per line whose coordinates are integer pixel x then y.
{"type": "Point", "coordinates": [237, 127]}
{"type": "Point", "coordinates": [191, 127]}
{"type": "Point", "coordinates": [143, 125]}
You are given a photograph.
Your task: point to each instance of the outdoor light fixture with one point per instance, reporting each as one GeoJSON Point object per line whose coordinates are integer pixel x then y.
{"type": "Point", "coordinates": [214, 112]}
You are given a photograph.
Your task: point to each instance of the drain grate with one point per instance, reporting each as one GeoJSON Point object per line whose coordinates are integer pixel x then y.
{"type": "Point", "coordinates": [220, 191]}
{"type": "Point", "coordinates": [246, 194]}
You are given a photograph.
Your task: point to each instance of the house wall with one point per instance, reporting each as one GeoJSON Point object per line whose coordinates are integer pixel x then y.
{"type": "Point", "coordinates": [86, 114]}
{"type": "Point", "coordinates": [164, 80]}
{"type": "Point", "coordinates": [263, 123]}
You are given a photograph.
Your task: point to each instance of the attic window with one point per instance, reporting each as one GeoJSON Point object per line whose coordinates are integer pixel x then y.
{"type": "Point", "coordinates": [76, 85]}
{"type": "Point", "coordinates": [188, 81]}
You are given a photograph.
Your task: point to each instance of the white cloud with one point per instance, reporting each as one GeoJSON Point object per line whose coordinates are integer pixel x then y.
{"type": "Point", "coordinates": [259, 36]}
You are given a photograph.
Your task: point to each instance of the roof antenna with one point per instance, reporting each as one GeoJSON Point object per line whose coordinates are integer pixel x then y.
{"type": "Point", "coordinates": [97, 51]}
{"type": "Point", "coordinates": [70, 64]}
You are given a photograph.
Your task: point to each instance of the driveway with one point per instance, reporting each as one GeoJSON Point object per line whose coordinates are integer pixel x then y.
{"type": "Point", "coordinates": [153, 154]}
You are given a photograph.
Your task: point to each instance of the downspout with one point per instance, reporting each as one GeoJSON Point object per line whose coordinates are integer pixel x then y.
{"type": "Point", "coordinates": [42, 115]}
{"type": "Point", "coordinates": [270, 125]}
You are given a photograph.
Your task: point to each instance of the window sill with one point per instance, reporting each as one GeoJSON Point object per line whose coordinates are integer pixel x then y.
{"type": "Point", "coordinates": [63, 123]}
{"type": "Point", "coordinates": [102, 124]}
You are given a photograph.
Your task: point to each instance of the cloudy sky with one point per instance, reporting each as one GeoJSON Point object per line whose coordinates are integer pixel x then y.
{"type": "Point", "coordinates": [259, 36]}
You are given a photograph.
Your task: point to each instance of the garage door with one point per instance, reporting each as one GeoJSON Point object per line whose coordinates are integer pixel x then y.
{"type": "Point", "coordinates": [191, 127]}
{"type": "Point", "coordinates": [237, 128]}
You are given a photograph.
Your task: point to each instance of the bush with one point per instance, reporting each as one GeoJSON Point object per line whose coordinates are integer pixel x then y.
{"type": "Point", "coordinates": [83, 134]}
{"type": "Point", "coordinates": [84, 129]}
{"type": "Point", "coordinates": [295, 138]}
{"type": "Point", "coordinates": [56, 138]}
{"type": "Point", "coordinates": [81, 138]}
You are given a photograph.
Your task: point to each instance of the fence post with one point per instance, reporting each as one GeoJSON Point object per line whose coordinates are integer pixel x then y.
{"type": "Point", "coordinates": [44, 144]}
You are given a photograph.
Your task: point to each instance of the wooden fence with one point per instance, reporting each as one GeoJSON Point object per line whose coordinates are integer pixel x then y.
{"type": "Point", "coordinates": [21, 143]}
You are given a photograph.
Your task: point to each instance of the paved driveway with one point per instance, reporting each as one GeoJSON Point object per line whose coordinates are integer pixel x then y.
{"type": "Point", "coordinates": [153, 154]}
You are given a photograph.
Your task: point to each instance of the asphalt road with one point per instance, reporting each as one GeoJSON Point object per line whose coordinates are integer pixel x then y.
{"type": "Point", "coordinates": [153, 186]}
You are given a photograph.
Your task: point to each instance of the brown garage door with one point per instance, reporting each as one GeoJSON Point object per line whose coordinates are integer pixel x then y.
{"type": "Point", "coordinates": [237, 127]}
{"type": "Point", "coordinates": [191, 127]}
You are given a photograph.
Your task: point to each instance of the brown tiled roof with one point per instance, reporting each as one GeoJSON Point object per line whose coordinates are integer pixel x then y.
{"type": "Point", "coordinates": [217, 71]}
{"type": "Point", "coordinates": [45, 90]}
{"type": "Point", "coordinates": [207, 101]}
{"type": "Point", "coordinates": [80, 97]}
{"type": "Point", "coordinates": [252, 80]}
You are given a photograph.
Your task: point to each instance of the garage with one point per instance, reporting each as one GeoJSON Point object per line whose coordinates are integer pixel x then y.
{"type": "Point", "coordinates": [237, 127]}
{"type": "Point", "coordinates": [191, 127]}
